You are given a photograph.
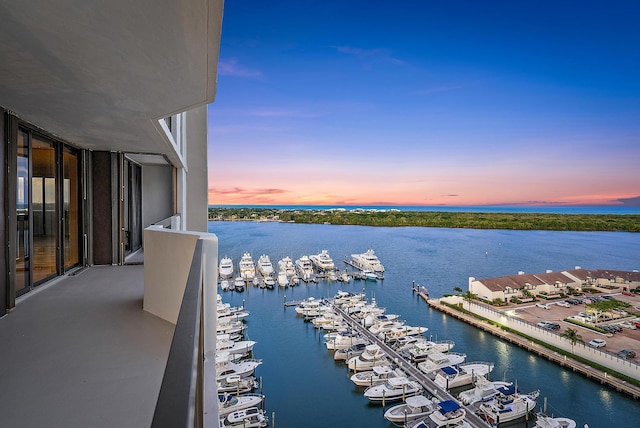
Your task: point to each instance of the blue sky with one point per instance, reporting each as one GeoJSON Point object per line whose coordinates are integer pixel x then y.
{"type": "Point", "coordinates": [426, 103]}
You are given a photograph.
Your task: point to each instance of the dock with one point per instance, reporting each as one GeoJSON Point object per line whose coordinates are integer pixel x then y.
{"type": "Point", "coordinates": [411, 371]}
{"type": "Point", "coordinates": [563, 360]}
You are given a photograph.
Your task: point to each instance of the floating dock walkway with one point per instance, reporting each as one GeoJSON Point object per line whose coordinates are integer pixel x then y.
{"type": "Point", "coordinates": [411, 371]}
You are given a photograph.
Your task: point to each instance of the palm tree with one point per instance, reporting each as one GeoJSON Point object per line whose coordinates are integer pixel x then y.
{"type": "Point", "coordinates": [572, 336]}
{"type": "Point", "coordinates": [458, 290]}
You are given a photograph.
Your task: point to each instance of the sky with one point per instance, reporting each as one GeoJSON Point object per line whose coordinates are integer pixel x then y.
{"type": "Point", "coordinates": [420, 102]}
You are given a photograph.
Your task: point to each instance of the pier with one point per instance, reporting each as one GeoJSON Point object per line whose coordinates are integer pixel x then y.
{"type": "Point", "coordinates": [563, 360]}
{"type": "Point", "coordinates": [411, 371]}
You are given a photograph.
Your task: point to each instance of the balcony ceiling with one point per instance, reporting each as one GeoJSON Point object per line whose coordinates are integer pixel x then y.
{"type": "Point", "coordinates": [100, 73]}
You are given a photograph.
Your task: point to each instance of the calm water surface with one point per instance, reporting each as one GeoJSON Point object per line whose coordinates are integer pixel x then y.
{"type": "Point", "coordinates": [304, 387]}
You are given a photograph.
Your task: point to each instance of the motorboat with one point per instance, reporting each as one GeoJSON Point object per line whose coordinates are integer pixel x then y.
{"type": "Point", "coordinates": [308, 305]}
{"type": "Point", "coordinates": [294, 280]}
{"type": "Point", "coordinates": [304, 269]}
{"type": "Point", "coordinates": [413, 408]}
{"type": "Point", "coordinates": [229, 325]}
{"type": "Point", "coordinates": [370, 275]}
{"type": "Point", "coordinates": [283, 280]}
{"type": "Point", "coordinates": [225, 268]}
{"type": "Point", "coordinates": [378, 375]}
{"type": "Point", "coordinates": [247, 267]}
{"type": "Point", "coordinates": [225, 310]}
{"type": "Point", "coordinates": [238, 284]}
{"type": "Point", "coordinates": [322, 262]}
{"type": "Point", "coordinates": [224, 285]}
{"type": "Point", "coordinates": [384, 326]}
{"type": "Point", "coordinates": [286, 264]}
{"type": "Point", "coordinates": [508, 405]}
{"type": "Point", "coordinates": [226, 368]}
{"type": "Point", "coordinates": [378, 315]}
{"type": "Point", "coordinates": [264, 266]}
{"type": "Point", "coordinates": [237, 385]}
{"type": "Point", "coordinates": [345, 340]}
{"type": "Point", "coordinates": [268, 282]}
{"type": "Point", "coordinates": [345, 299]}
{"type": "Point", "coordinates": [252, 417]}
{"type": "Point", "coordinates": [367, 261]}
{"type": "Point", "coordinates": [396, 388]}
{"type": "Point", "coordinates": [484, 389]}
{"type": "Point", "coordinates": [419, 350]}
{"type": "Point", "coordinates": [545, 421]}
{"type": "Point", "coordinates": [232, 347]}
{"type": "Point", "coordinates": [401, 331]}
{"type": "Point", "coordinates": [373, 355]}
{"type": "Point", "coordinates": [448, 414]}
{"type": "Point", "coordinates": [228, 403]}
{"type": "Point", "coordinates": [461, 375]}
{"type": "Point", "coordinates": [343, 277]}
{"type": "Point", "coordinates": [350, 352]}
{"type": "Point", "coordinates": [438, 360]}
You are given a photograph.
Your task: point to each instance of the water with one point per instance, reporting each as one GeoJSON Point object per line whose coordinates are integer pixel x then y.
{"type": "Point", "coordinates": [303, 384]}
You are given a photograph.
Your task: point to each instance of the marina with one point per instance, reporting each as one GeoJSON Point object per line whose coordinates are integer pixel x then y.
{"type": "Point", "coordinates": [337, 400]}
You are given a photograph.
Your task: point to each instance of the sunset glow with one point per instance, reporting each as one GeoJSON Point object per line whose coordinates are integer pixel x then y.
{"type": "Point", "coordinates": [425, 103]}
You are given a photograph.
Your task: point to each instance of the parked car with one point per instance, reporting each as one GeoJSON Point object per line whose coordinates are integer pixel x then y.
{"type": "Point", "coordinates": [543, 305]}
{"type": "Point", "coordinates": [563, 304]}
{"type": "Point", "coordinates": [636, 323]}
{"type": "Point", "coordinates": [598, 343]}
{"type": "Point", "coordinates": [627, 293]}
{"type": "Point", "coordinates": [549, 325]}
{"type": "Point", "coordinates": [627, 324]}
{"type": "Point", "coordinates": [627, 353]}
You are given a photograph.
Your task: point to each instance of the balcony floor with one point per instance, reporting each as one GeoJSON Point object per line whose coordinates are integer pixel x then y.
{"type": "Point", "coordinates": [81, 352]}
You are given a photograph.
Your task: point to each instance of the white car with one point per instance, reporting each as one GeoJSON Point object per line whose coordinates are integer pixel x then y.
{"type": "Point", "coordinates": [598, 343]}
{"type": "Point", "coordinates": [627, 324]}
{"type": "Point", "coordinates": [543, 305]}
{"type": "Point", "coordinates": [563, 304]}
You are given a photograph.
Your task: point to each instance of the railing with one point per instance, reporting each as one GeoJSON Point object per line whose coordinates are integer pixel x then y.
{"type": "Point", "coordinates": [172, 222]}
{"type": "Point", "coordinates": [181, 397]}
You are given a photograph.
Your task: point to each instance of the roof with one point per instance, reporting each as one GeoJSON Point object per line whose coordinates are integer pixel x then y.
{"type": "Point", "coordinates": [554, 277]}
{"type": "Point", "coordinates": [515, 282]}
{"type": "Point", "coordinates": [102, 75]}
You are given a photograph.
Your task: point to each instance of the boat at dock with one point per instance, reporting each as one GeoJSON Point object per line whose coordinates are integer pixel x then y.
{"type": "Point", "coordinates": [237, 385]}
{"type": "Point", "coordinates": [247, 267]}
{"type": "Point", "coordinates": [449, 414]}
{"type": "Point", "coordinates": [225, 269]}
{"type": "Point", "coordinates": [350, 352]}
{"type": "Point", "coordinates": [437, 360]}
{"type": "Point", "coordinates": [372, 356]}
{"type": "Point", "coordinates": [484, 389]}
{"type": "Point", "coordinates": [545, 421]}
{"type": "Point", "coordinates": [508, 405]}
{"type": "Point", "coordinates": [264, 266]}
{"type": "Point", "coordinates": [462, 375]}
{"type": "Point", "coordinates": [378, 375]}
{"type": "Point", "coordinates": [251, 417]}
{"type": "Point", "coordinates": [396, 388]}
{"type": "Point", "coordinates": [413, 408]}
{"type": "Point", "coordinates": [304, 269]}
{"type": "Point", "coordinates": [322, 263]}
{"type": "Point", "coordinates": [283, 280]}
{"type": "Point", "coordinates": [421, 349]}
{"type": "Point", "coordinates": [367, 261]}
{"type": "Point", "coordinates": [231, 403]}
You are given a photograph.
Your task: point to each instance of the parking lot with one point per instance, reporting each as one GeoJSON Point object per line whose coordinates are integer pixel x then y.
{"type": "Point", "coordinates": [545, 316]}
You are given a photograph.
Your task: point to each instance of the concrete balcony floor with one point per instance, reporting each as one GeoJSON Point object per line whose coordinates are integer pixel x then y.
{"type": "Point", "coordinates": [81, 352]}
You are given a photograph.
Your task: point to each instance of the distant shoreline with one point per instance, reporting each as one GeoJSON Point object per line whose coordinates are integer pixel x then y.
{"type": "Point", "coordinates": [443, 219]}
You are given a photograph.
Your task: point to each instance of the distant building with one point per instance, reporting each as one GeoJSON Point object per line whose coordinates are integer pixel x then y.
{"type": "Point", "coordinates": [551, 283]}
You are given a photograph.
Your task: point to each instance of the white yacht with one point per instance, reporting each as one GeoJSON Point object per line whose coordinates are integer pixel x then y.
{"type": "Point", "coordinates": [401, 331]}
{"type": "Point", "coordinates": [483, 390]}
{"type": "Point", "coordinates": [237, 385]}
{"type": "Point", "coordinates": [413, 408]}
{"type": "Point", "coordinates": [367, 261]}
{"type": "Point", "coordinates": [378, 375]}
{"type": "Point", "coordinates": [545, 421]}
{"type": "Point", "coordinates": [437, 360]}
{"type": "Point", "coordinates": [229, 403]}
{"type": "Point", "coordinates": [251, 417]}
{"type": "Point", "coordinates": [286, 264]}
{"type": "Point", "coordinates": [226, 368]}
{"type": "Point", "coordinates": [224, 285]}
{"type": "Point", "coordinates": [508, 405]}
{"type": "Point", "coordinates": [247, 267]}
{"type": "Point", "coordinates": [353, 351]}
{"type": "Point", "coordinates": [225, 269]}
{"type": "Point", "coordinates": [264, 266]}
{"type": "Point", "coordinates": [304, 269]}
{"type": "Point", "coordinates": [283, 280]}
{"type": "Point", "coordinates": [345, 340]}
{"type": "Point", "coordinates": [396, 388]}
{"type": "Point", "coordinates": [422, 348]}
{"type": "Point", "coordinates": [322, 262]}
{"type": "Point", "coordinates": [232, 347]}
{"type": "Point", "coordinates": [449, 414]}
{"type": "Point", "coordinates": [373, 355]}
{"type": "Point", "coordinates": [238, 284]}
{"type": "Point", "coordinates": [461, 375]}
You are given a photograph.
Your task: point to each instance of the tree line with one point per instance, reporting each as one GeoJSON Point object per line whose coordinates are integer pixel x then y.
{"type": "Point", "coordinates": [468, 220]}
